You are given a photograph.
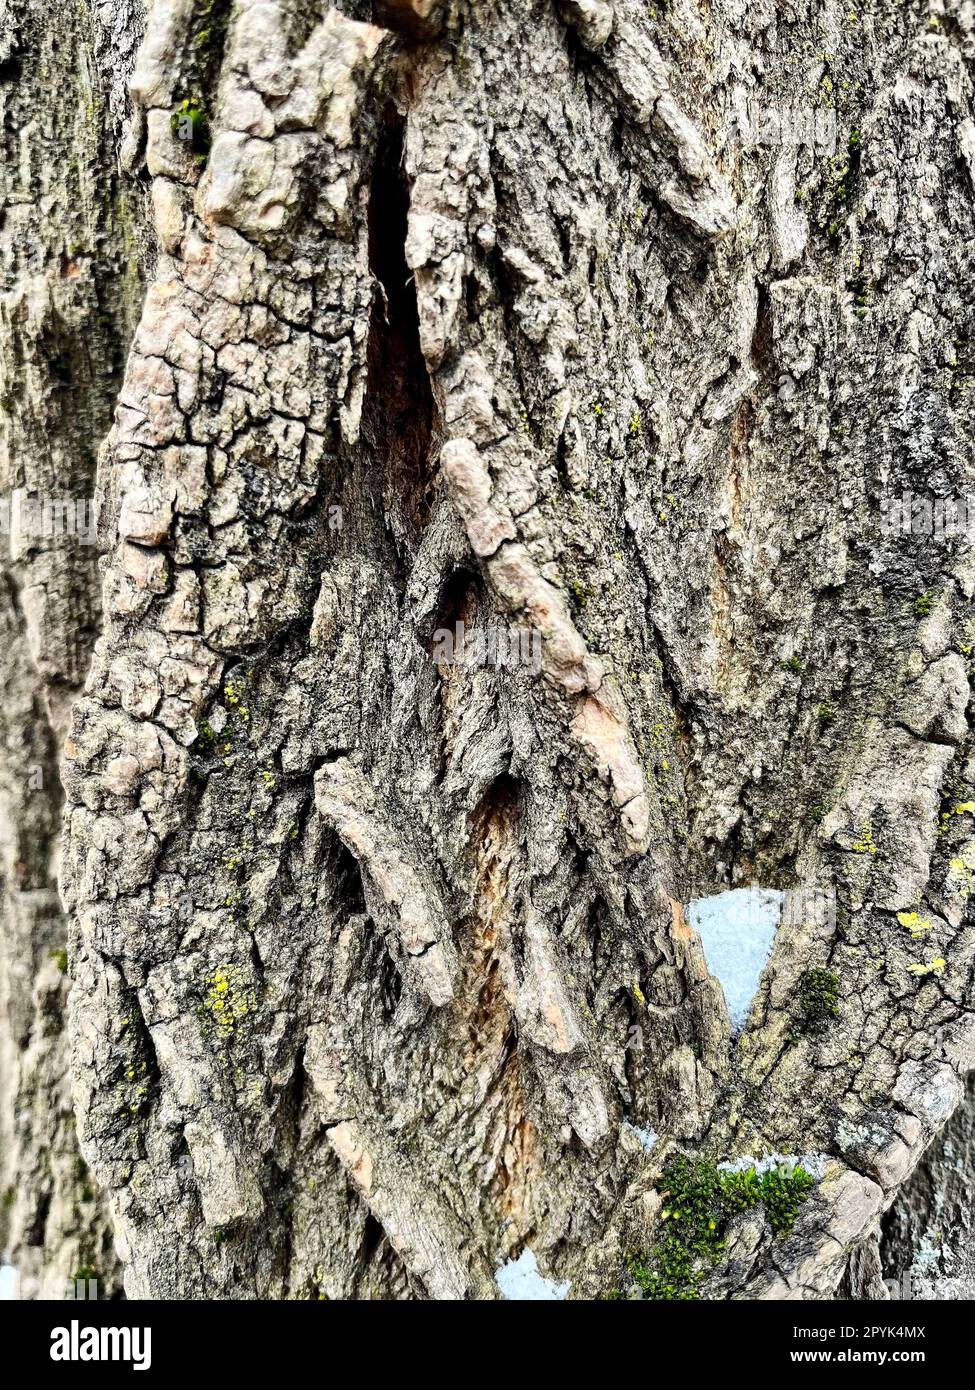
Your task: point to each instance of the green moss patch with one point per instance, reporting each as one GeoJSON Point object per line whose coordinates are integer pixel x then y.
{"type": "Point", "coordinates": [191, 124]}
{"type": "Point", "coordinates": [700, 1200]}
{"type": "Point", "coordinates": [199, 73]}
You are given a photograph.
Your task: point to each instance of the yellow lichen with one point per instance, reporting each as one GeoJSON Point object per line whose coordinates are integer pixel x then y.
{"type": "Point", "coordinates": [228, 1000]}
{"type": "Point", "coordinates": [916, 925]}
{"type": "Point", "coordinates": [865, 844]}
{"type": "Point", "coordinates": [935, 966]}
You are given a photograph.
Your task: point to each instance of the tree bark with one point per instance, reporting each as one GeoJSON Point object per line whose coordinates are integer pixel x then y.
{"type": "Point", "coordinates": [71, 295]}
{"type": "Point", "coordinates": [505, 315]}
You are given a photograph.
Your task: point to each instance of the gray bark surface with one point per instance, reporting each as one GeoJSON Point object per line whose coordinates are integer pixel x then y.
{"type": "Point", "coordinates": [487, 314]}
{"type": "Point", "coordinates": [69, 299]}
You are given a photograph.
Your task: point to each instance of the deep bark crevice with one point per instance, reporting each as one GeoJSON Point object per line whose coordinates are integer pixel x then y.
{"type": "Point", "coordinates": [399, 415]}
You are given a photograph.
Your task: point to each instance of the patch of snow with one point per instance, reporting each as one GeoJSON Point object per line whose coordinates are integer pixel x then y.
{"type": "Point", "coordinates": [647, 1137]}
{"type": "Point", "coordinates": [813, 1163]}
{"type": "Point", "coordinates": [520, 1281]}
{"type": "Point", "coordinates": [9, 1283]}
{"type": "Point", "coordinates": [737, 929]}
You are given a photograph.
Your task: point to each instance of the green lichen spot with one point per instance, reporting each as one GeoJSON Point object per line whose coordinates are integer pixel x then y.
{"type": "Point", "coordinates": [818, 1000]}
{"type": "Point", "coordinates": [826, 715]}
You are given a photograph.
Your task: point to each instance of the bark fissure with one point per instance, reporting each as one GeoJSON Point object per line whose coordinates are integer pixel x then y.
{"type": "Point", "coordinates": [399, 414]}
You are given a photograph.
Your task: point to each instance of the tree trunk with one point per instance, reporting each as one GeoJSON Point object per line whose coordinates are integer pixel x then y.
{"type": "Point", "coordinates": [70, 296]}
{"type": "Point", "coordinates": [606, 334]}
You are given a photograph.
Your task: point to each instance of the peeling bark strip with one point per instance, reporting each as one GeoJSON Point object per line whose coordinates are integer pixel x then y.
{"type": "Point", "coordinates": [366, 322]}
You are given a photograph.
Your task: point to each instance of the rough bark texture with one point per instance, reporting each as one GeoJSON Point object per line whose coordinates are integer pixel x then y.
{"type": "Point", "coordinates": [69, 299]}
{"type": "Point", "coordinates": [483, 313]}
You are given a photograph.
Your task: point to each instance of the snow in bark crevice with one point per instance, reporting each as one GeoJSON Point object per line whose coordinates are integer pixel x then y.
{"type": "Point", "coordinates": [737, 929]}
{"type": "Point", "coordinates": [520, 1281]}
